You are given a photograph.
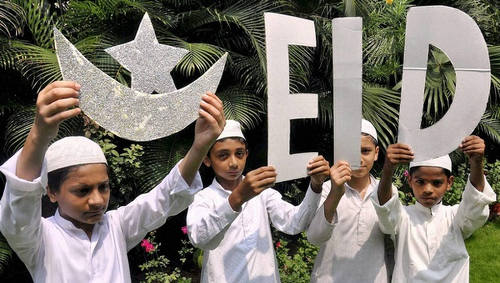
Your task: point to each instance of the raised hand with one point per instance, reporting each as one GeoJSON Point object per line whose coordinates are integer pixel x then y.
{"type": "Point", "coordinates": [210, 122]}
{"type": "Point", "coordinates": [473, 147]}
{"type": "Point", "coordinates": [398, 153]}
{"type": "Point", "coordinates": [253, 184]}
{"type": "Point", "coordinates": [319, 170]}
{"type": "Point", "coordinates": [339, 174]}
{"type": "Point", "coordinates": [57, 102]}
{"type": "Point", "coordinates": [208, 127]}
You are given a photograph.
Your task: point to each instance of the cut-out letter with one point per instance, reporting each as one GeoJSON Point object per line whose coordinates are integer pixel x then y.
{"type": "Point", "coordinates": [347, 88]}
{"type": "Point", "coordinates": [459, 37]}
{"type": "Point", "coordinates": [282, 31]}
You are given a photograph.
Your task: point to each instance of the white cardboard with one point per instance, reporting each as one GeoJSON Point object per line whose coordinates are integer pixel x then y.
{"type": "Point", "coordinates": [281, 31]}
{"type": "Point", "coordinates": [459, 37]}
{"type": "Point", "coordinates": [347, 89]}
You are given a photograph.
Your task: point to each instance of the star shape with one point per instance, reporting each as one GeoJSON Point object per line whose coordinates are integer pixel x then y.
{"type": "Point", "coordinates": [148, 61]}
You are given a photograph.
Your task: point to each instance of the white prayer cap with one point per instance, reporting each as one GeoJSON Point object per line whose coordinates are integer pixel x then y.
{"type": "Point", "coordinates": [72, 151]}
{"type": "Point", "coordinates": [442, 162]}
{"type": "Point", "coordinates": [231, 130]}
{"type": "Point", "coordinates": [368, 128]}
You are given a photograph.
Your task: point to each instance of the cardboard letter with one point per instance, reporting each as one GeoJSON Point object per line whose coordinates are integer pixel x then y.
{"type": "Point", "coordinates": [347, 89]}
{"type": "Point", "coordinates": [282, 106]}
{"type": "Point", "coordinates": [456, 34]}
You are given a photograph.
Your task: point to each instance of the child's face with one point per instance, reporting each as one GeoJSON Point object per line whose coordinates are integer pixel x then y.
{"type": "Point", "coordinates": [84, 195]}
{"type": "Point", "coordinates": [227, 158]}
{"type": "Point", "coordinates": [429, 184]}
{"type": "Point", "coordinates": [369, 154]}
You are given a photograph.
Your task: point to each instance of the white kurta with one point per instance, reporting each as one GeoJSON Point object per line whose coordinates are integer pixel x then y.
{"type": "Point", "coordinates": [238, 245]}
{"type": "Point", "coordinates": [352, 247]}
{"type": "Point", "coordinates": [430, 243]}
{"type": "Point", "coordinates": [54, 250]}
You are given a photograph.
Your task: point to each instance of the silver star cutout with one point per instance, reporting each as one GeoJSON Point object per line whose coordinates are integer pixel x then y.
{"type": "Point", "coordinates": [149, 62]}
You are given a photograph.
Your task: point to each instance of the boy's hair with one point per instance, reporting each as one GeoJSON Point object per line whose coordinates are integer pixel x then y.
{"type": "Point", "coordinates": [57, 177]}
{"type": "Point", "coordinates": [445, 171]}
{"type": "Point", "coordinates": [375, 142]}
{"type": "Point", "coordinates": [242, 140]}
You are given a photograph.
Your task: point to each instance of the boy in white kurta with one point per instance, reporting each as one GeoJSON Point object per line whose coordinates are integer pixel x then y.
{"type": "Point", "coordinates": [429, 235]}
{"type": "Point", "coordinates": [82, 242]}
{"type": "Point", "coordinates": [230, 219]}
{"type": "Point", "coordinates": [346, 225]}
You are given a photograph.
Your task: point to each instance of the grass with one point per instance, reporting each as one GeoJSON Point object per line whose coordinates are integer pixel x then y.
{"type": "Point", "coordinates": [484, 251]}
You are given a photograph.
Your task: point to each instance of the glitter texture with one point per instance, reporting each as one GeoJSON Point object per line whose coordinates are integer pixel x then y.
{"type": "Point", "coordinates": [149, 62]}
{"type": "Point", "coordinates": [128, 113]}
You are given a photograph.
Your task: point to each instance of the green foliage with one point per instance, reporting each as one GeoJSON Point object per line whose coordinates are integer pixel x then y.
{"type": "Point", "coordinates": [157, 267]}
{"type": "Point", "coordinates": [5, 254]}
{"type": "Point", "coordinates": [493, 176]}
{"type": "Point", "coordinates": [296, 266]}
{"type": "Point", "coordinates": [125, 167]}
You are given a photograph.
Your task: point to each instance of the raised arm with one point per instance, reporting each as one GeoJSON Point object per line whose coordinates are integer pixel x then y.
{"type": "Point", "coordinates": [396, 154]}
{"type": "Point", "coordinates": [208, 127]}
{"type": "Point", "coordinates": [54, 104]}
{"type": "Point", "coordinates": [473, 210]}
{"type": "Point", "coordinates": [20, 206]}
{"type": "Point", "coordinates": [321, 227]}
{"type": "Point", "coordinates": [473, 147]}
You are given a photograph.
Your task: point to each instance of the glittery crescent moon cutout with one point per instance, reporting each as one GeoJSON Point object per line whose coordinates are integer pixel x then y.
{"type": "Point", "coordinates": [131, 114]}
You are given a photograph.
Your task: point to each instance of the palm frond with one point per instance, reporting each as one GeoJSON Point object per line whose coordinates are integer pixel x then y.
{"type": "Point", "coordinates": [39, 21]}
{"type": "Point", "coordinates": [160, 157]}
{"type": "Point", "coordinates": [380, 106]}
{"type": "Point", "coordinates": [243, 106]}
{"type": "Point", "coordinates": [6, 254]}
{"type": "Point", "coordinates": [490, 125]}
{"type": "Point", "coordinates": [19, 125]}
{"type": "Point", "coordinates": [12, 19]}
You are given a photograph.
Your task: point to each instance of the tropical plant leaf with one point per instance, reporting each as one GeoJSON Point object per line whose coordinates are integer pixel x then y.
{"type": "Point", "coordinates": [12, 19]}
{"type": "Point", "coordinates": [242, 106]}
{"type": "Point", "coordinates": [6, 254]}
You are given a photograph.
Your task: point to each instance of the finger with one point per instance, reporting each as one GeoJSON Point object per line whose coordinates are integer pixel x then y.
{"type": "Point", "coordinates": [61, 84]}
{"type": "Point", "coordinates": [213, 101]}
{"type": "Point", "coordinates": [317, 163]}
{"type": "Point", "coordinates": [340, 163]}
{"type": "Point", "coordinates": [266, 183]}
{"type": "Point", "coordinates": [400, 146]}
{"type": "Point", "coordinates": [202, 114]}
{"type": "Point", "coordinates": [266, 174]}
{"type": "Point", "coordinates": [213, 95]}
{"type": "Point", "coordinates": [61, 116]}
{"type": "Point", "coordinates": [319, 170]}
{"type": "Point", "coordinates": [471, 143]}
{"type": "Point", "coordinates": [58, 106]}
{"type": "Point", "coordinates": [54, 95]}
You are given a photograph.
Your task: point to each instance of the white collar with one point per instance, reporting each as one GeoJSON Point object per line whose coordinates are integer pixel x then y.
{"type": "Point", "coordinates": [429, 211]}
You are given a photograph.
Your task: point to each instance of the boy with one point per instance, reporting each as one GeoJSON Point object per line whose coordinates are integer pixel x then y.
{"type": "Point", "coordinates": [230, 218]}
{"type": "Point", "coordinates": [82, 242]}
{"type": "Point", "coordinates": [346, 225]}
{"type": "Point", "coordinates": [430, 236]}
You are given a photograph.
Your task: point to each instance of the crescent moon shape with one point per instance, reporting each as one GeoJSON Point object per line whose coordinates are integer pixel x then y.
{"type": "Point", "coordinates": [127, 113]}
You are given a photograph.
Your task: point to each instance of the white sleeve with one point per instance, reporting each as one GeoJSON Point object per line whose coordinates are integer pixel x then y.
{"type": "Point", "coordinates": [320, 230]}
{"type": "Point", "coordinates": [389, 214]}
{"type": "Point", "coordinates": [150, 210]}
{"type": "Point", "coordinates": [208, 221]}
{"type": "Point", "coordinates": [287, 218]}
{"type": "Point", "coordinates": [20, 212]}
{"type": "Point", "coordinates": [473, 210]}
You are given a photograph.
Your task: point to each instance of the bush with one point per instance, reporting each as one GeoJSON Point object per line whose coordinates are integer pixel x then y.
{"type": "Point", "coordinates": [295, 266]}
